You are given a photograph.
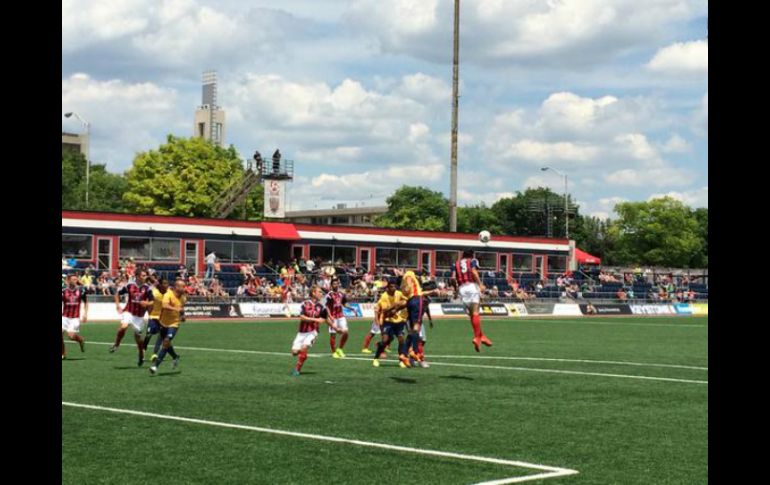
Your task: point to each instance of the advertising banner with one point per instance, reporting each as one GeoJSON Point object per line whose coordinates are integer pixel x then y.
{"type": "Point", "coordinates": [682, 308]}
{"type": "Point", "coordinates": [435, 309]}
{"type": "Point", "coordinates": [497, 309]}
{"type": "Point", "coordinates": [452, 309]}
{"type": "Point", "coordinates": [605, 309]}
{"type": "Point", "coordinates": [516, 309]}
{"type": "Point", "coordinates": [212, 310]}
{"type": "Point", "coordinates": [354, 313]}
{"type": "Point", "coordinates": [367, 309]}
{"type": "Point", "coordinates": [275, 199]}
{"type": "Point", "coordinates": [260, 310]}
{"type": "Point", "coordinates": [652, 309]}
{"type": "Point", "coordinates": [700, 308]}
{"type": "Point", "coordinates": [538, 308]}
{"type": "Point", "coordinates": [567, 310]}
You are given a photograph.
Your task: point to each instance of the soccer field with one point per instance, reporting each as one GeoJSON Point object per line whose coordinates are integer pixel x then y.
{"type": "Point", "coordinates": [583, 401]}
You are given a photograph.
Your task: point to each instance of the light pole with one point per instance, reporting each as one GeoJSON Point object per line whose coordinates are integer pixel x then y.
{"type": "Point", "coordinates": [566, 209]}
{"type": "Point", "coordinates": [87, 126]}
{"type": "Point", "coordinates": [453, 155]}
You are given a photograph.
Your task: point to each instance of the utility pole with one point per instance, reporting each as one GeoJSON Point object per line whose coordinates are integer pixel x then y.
{"type": "Point", "coordinates": [455, 79]}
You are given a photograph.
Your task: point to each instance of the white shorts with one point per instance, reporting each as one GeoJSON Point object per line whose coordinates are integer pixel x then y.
{"type": "Point", "coordinates": [303, 339]}
{"type": "Point", "coordinates": [70, 324]}
{"type": "Point", "coordinates": [469, 293]}
{"type": "Point", "coordinates": [340, 323]}
{"type": "Point", "coordinates": [137, 322]}
{"type": "Point", "coordinates": [375, 328]}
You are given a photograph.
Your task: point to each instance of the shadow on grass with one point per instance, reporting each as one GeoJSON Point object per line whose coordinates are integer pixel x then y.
{"type": "Point", "coordinates": [404, 380]}
{"type": "Point", "coordinates": [129, 367]}
{"type": "Point", "coordinates": [70, 359]}
{"type": "Point", "coordinates": [463, 378]}
{"type": "Point", "coordinates": [169, 374]}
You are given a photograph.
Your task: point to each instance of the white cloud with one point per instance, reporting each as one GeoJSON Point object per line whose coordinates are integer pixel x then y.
{"type": "Point", "coordinates": [535, 151]}
{"type": "Point", "coordinates": [656, 177]}
{"type": "Point", "coordinates": [494, 32]}
{"type": "Point", "coordinates": [693, 198]}
{"type": "Point", "coordinates": [701, 117]}
{"type": "Point", "coordinates": [676, 144]}
{"type": "Point", "coordinates": [124, 117]}
{"type": "Point", "coordinates": [682, 58]}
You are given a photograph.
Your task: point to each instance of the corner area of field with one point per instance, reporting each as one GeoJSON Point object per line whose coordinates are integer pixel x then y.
{"type": "Point", "coordinates": [618, 400]}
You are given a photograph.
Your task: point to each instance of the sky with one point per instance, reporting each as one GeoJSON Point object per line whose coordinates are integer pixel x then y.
{"type": "Point", "coordinates": [612, 93]}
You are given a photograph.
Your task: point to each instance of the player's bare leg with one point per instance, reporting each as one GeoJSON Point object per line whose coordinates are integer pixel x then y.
{"type": "Point", "coordinates": [343, 340]}
{"type": "Point", "coordinates": [367, 342]}
{"type": "Point", "coordinates": [63, 350]}
{"type": "Point", "coordinates": [119, 337]}
{"type": "Point", "coordinates": [77, 338]}
{"type": "Point", "coordinates": [478, 335]}
{"type": "Point", "coordinates": [333, 342]}
{"type": "Point", "coordinates": [301, 355]}
{"type": "Point", "coordinates": [140, 347]}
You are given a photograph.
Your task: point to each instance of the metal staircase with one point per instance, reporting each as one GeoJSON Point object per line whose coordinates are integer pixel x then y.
{"type": "Point", "coordinates": [236, 194]}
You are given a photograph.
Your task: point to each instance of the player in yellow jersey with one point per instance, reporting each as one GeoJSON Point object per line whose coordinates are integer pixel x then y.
{"type": "Point", "coordinates": [391, 315]}
{"type": "Point", "coordinates": [412, 289]}
{"type": "Point", "coordinates": [153, 327]}
{"type": "Point", "coordinates": [172, 313]}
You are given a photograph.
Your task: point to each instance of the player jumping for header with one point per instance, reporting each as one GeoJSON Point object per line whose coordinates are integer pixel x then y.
{"type": "Point", "coordinates": [465, 275]}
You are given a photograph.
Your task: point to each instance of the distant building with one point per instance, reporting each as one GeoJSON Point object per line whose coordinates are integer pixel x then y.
{"type": "Point", "coordinates": [338, 216]}
{"type": "Point", "coordinates": [209, 117]}
{"type": "Point", "coordinates": [74, 142]}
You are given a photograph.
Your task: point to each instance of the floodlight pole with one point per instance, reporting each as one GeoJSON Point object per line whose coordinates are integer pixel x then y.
{"type": "Point", "coordinates": [566, 207]}
{"type": "Point", "coordinates": [453, 164]}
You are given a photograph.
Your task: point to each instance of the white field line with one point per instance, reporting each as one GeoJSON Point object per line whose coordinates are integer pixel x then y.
{"type": "Point", "coordinates": [549, 471]}
{"type": "Point", "coordinates": [574, 322]}
{"type": "Point", "coordinates": [550, 359]}
{"type": "Point", "coordinates": [476, 366]}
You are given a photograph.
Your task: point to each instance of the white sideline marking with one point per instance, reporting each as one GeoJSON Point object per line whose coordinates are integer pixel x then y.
{"type": "Point", "coordinates": [574, 322]}
{"type": "Point", "coordinates": [550, 471]}
{"type": "Point", "coordinates": [549, 359]}
{"type": "Point", "coordinates": [477, 366]}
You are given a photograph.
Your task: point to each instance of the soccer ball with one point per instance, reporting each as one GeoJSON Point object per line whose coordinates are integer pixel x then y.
{"type": "Point", "coordinates": [485, 236]}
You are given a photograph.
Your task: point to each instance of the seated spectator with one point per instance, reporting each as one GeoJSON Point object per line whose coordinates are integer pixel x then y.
{"type": "Point", "coordinates": [539, 287]}
{"type": "Point", "coordinates": [247, 271]}
{"type": "Point", "coordinates": [494, 292]}
{"type": "Point", "coordinates": [215, 289]}
{"type": "Point", "coordinates": [72, 263]}
{"type": "Point", "coordinates": [630, 293]}
{"type": "Point", "coordinates": [87, 281]}
{"type": "Point", "coordinates": [621, 294]}
{"type": "Point", "coordinates": [522, 295]}
{"type": "Point", "coordinates": [691, 296]}
{"type": "Point", "coordinates": [65, 264]}
{"type": "Point", "coordinates": [572, 291]}
{"type": "Point", "coordinates": [104, 283]}
{"type": "Point", "coordinates": [252, 288]}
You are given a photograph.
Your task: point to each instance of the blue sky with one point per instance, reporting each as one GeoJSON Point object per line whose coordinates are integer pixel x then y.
{"type": "Point", "coordinates": [612, 92]}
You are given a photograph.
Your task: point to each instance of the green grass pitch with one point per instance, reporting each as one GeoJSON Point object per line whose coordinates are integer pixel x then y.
{"type": "Point", "coordinates": [619, 400]}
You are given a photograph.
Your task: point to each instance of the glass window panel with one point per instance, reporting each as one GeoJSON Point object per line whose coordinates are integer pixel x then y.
{"type": "Point", "coordinates": [445, 259]}
{"type": "Point", "coordinates": [386, 256]}
{"type": "Point", "coordinates": [408, 258]}
{"type": "Point", "coordinates": [222, 249]}
{"type": "Point", "coordinates": [557, 264]}
{"type": "Point", "coordinates": [165, 249]}
{"type": "Point", "coordinates": [487, 261]}
{"type": "Point", "coordinates": [135, 247]}
{"type": "Point", "coordinates": [76, 246]}
{"type": "Point", "coordinates": [245, 252]}
{"type": "Point", "coordinates": [344, 255]}
{"type": "Point", "coordinates": [522, 262]}
{"type": "Point", "coordinates": [324, 253]}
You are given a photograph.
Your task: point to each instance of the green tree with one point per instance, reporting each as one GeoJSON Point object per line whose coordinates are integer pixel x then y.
{"type": "Point", "coordinates": [661, 232]}
{"type": "Point", "coordinates": [186, 177]}
{"type": "Point", "coordinates": [517, 217]}
{"type": "Point", "coordinates": [416, 208]}
{"type": "Point", "coordinates": [478, 218]}
{"type": "Point", "coordinates": [105, 189]}
{"type": "Point", "coordinates": [701, 259]}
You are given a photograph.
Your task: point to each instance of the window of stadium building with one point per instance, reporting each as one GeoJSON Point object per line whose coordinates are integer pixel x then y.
{"type": "Point", "coordinates": [445, 259]}
{"type": "Point", "coordinates": [324, 253]}
{"type": "Point", "coordinates": [386, 256]}
{"type": "Point", "coordinates": [164, 249]}
{"type": "Point", "coordinates": [557, 264]}
{"type": "Point", "coordinates": [222, 249]}
{"type": "Point", "coordinates": [76, 246]}
{"type": "Point", "coordinates": [245, 252]}
{"type": "Point", "coordinates": [344, 255]}
{"type": "Point", "coordinates": [487, 261]}
{"type": "Point", "coordinates": [407, 258]}
{"type": "Point", "coordinates": [135, 247]}
{"type": "Point", "coordinates": [522, 262]}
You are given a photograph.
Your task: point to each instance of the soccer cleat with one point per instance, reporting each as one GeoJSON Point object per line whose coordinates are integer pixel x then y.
{"type": "Point", "coordinates": [404, 361]}
{"type": "Point", "coordinates": [154, 358]}
{"type": "Point", "coordinates": [376, 363]}
{"type": "Point", "coordinates": [295, 372]}
{"type": "Point", "coordinates": [140, 362]}
{"type": "Point", "coordinates": [366, 351]}
{"type": "Point", "coordinates": [477, 344]}
{"type": "Point", "coordinates": [82, 345]}
{"type": "Point", "coordinates": [113, 349]}
{"type": "Point", "coordinates": [341, 353]}
{"type": "Point", "coordinates": [336, 355]}
{"type": "Point", "coordinates": [175, 363]}
{"type": "Point", "coordinates": [486, 341]}
{"type": "Point", "coordinates": [424, 364]}
{"type": "Point", "coordinates": [402, 365]}
{"type": "Point", "coordinates": [414, 356]}
{"type": "Point", "coordinates": [153, 370]}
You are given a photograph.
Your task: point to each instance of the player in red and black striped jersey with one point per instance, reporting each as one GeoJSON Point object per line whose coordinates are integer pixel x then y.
{"type": "Point", "coordinates": [466, 280]}
{"type": "Point", "coordinates": [139, 298]}
{"type": "Point", "coordinates": [335, 302]}
{"type": "Point", "coordinates": [312, 315]}
{"type": "Point", "coordinates": [72, 296]}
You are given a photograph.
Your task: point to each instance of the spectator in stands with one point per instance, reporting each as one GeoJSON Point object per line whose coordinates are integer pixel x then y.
{"type": "Point", "coordinates": [72, 262]}
{"type": "Point", "coordinates": [522, 295]}
{"type": "Point", "coordinates": [215, 289]}
{"type": "Point", "coordinates": [247, 271]}
{"type": "Point", "coordinates": [241, 290]}
{"type": "Point", "coordinates": [65, 264]}
{"type": "Point", "coordinates": [572, 291]}
{"type": "Point", "coordinates": [494, 292]}
{"type": "Point", "coordinates": [310, 264]}
{"type": "Point", "coordinates": [181, 273]}
{"type": "Point", "coordinates": [104, 283]}
{"type": "Point", "coordinates": [630, 293]}
{"type": "Point", "coordinates": [87, 282]}
{"type": "Point", "coordinates": [621, 294]}
{"type": "Point", "coordinates": [130, 268]}
{"type": "Point", "coordinates": [691, 296]}
{"type": "Point", "coordinates": [560, 282]}
{"type": "Point", "coordinates": [252, 288]}
{"type": "Point", "coordinates": [211, 258]}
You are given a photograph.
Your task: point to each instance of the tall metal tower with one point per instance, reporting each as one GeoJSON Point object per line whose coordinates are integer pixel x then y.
{"type": "Point", "coordinates": [209, 117]}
